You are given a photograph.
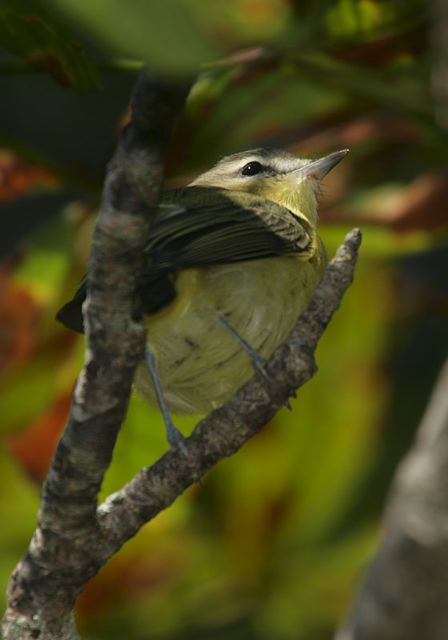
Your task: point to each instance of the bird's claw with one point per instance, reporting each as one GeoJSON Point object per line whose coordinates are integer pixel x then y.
{"type": "Point", "coordinates": [176, 439]}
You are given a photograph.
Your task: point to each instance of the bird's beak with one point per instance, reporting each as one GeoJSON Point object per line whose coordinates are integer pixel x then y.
{"type": "Point", "coordinates": [318, 169]}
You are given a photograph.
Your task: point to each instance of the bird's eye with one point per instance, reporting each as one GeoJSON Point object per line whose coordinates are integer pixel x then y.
{"type": "Point", "coordinates": [252, 168]}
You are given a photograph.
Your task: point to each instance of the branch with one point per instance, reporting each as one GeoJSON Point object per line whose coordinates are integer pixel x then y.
{"type": "Point", "coordinates": [225, 430]}
{"type": "Point", "coordinates": [64, 551]}
{"type": "Point", "coordinates": [403, 596]}
{"type": "Point", "coordinates": [74, 538]}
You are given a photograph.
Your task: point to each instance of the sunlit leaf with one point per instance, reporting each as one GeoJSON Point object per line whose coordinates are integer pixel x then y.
{"type": "Point", "coordinates": [45, 265]}
{"type": "Point", "coordinates": [348, 18]}
{"type": "Point", "coordinates": [27, 392]}
{"type": "Point", "coordinates": [166, 34]}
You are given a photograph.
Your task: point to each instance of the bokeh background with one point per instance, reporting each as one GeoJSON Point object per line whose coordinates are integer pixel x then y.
{"type": "Point", "coordinates": [273, 542]}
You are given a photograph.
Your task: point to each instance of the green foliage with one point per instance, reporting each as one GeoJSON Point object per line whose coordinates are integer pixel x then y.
{"type": "Point", "coordinates": [271, 543]}
{"type": "Point", "coordinates": [29, 30]}
{"type": "Point", "coordinates": [168, 34]}
{"type": "Point", "coordinates": [19, 501]}
{"type": "Point", "coordinates": [352, 19]}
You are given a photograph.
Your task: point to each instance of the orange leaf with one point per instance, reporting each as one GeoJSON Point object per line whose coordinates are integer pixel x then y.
{"type": "Point", "coordinates": [18, 318]}
{"type": "Point", "coordinates": [34, 448]}
{"type": "Point", "coordinates": [18, 177]}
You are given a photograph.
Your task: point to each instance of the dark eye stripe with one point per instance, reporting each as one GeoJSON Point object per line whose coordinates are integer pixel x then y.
{"type": "Point", "coordinates": [252, 168]}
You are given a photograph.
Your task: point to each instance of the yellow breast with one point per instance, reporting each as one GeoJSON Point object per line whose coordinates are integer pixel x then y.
{"type": "Point", "coordinates": [200, 364]}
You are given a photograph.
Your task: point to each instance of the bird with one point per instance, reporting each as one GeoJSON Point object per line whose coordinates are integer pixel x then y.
{"type": "Point", "coordinates": [231, 262]}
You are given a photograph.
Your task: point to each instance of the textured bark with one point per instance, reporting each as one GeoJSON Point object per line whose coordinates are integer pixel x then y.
{"type": "Point", "coordinates": [403, 596]}
{"type": "Point", "coordinates": [64, 552]}
{"type": "Point", "coordinates": [74, 538]}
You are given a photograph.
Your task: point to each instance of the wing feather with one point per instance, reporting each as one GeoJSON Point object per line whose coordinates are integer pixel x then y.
{"type": "Point", "coordinates": [202, 226]}
{"type": "Point", "coordinates": [199, 226]}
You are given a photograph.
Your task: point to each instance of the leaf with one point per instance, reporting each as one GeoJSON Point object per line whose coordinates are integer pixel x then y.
{"type": "Point", "coordinates": [248, 108]}
{"type": "Point", "coordinates": [19, 501]}
{"type": "Point", "coordinates": [391, 87]}
{"type": "Point", "coordinates": [417, 206]}
{"type": "Point", "coordinates": [168, 34]}
{"type": "Point", "coordinates": [28, 30]}
{"type": "Point", "coordinates": [34, 447]}
{"type": "Point", "coordinates": [350, 18]}
{"type": "Point", "coordinates": [18, 320]}
{"type": "Point", "coordinates": [27, 393]}
{"type": "Point", "coordinates": [18, 176]}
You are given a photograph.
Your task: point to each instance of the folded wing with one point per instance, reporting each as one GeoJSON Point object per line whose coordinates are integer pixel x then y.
{"type": "Point", "coordinates": [198, 227]}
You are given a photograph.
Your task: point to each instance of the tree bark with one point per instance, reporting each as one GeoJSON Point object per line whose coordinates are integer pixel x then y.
{"type": "Point", "coordinates": [403, 595]}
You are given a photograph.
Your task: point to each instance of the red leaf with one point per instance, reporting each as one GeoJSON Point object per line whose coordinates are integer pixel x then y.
{"type": "Point", "coordinates": [18, 177]}
{"type": "Point", "coordinates": [34, 448]}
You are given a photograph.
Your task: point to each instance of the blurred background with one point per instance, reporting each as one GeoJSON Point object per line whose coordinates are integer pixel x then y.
{"type": "Point", "coordinates": [273, 542]}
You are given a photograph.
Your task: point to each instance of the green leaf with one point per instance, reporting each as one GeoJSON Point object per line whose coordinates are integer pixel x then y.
{"type": "Point", "coordinates": [248, 109]}
{"type": "Point", "coordinates": [372, 18]}
{"type": "Point", "coordinates": [397, 88]}
{"type": "Point", "coordinates": [19, 501]}
{"type": "Point", "coordinates": [27, 392]}
{"type": "Point", "coordinates": [31, 32]}
{"type": "Point", "coordinates": [168, 34]}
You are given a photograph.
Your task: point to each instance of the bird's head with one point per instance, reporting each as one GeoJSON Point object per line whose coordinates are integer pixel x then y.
{"type": "Point", "coordinates": [275, 175]}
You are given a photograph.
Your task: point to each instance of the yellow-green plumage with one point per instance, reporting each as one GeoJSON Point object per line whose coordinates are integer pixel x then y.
{"type": "Point", "coordinates": [200, 363]}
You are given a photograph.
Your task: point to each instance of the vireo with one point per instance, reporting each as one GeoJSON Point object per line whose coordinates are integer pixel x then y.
{"type": "Point", "coordinates": [232, 261]}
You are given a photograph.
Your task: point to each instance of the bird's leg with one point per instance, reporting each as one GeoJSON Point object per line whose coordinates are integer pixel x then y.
{"type": "Point", "coordinates": [258, 362]}
{"type": "Point", "coordinates": [173, 435]}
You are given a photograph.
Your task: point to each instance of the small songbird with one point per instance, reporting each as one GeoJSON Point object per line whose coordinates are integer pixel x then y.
{"type": "Point", "coordinates": [231, 262]}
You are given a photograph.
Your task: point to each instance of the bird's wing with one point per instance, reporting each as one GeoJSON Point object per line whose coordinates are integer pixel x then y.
{"type": "Point", "coordinates": [156, 291]}
{"type": "Point", "coordinates": [198, 227]}
{"type": "Point", "coordinates": [202, 226]}
{"type": "Point", "coordinates": [70, 315]}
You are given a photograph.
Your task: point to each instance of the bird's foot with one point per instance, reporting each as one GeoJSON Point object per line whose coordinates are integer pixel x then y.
{"type": "Point", "coordinates": [176, 439]}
